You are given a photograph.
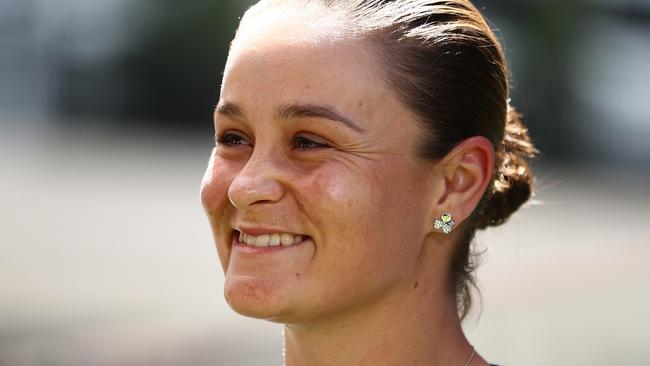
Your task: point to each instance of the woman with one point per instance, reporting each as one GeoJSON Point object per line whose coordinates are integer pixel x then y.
{"type": "Point", "coordinates": [360, 144]}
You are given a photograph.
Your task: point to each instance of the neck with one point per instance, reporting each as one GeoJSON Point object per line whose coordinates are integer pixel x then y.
{"type": "Point", "coordinates": [415, 326]}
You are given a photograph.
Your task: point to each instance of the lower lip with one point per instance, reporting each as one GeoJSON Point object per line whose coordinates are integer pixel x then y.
{"type": "Point", "coordinates": [241, 247]}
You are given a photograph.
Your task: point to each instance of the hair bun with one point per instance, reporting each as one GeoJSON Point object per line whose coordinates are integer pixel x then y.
{"type": "Point", "coordinates": [512, 182]}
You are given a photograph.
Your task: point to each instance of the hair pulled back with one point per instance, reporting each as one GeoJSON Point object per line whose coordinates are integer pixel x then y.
{"type": "Point", "coordinates": [447, 65]}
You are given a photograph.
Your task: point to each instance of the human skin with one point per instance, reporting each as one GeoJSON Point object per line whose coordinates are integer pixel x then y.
{"type": "Point", "coordinates": [361, 196]}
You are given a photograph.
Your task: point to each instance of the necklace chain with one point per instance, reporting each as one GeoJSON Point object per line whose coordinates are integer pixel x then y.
{"type": "Point", "coordinates": [471, 356]}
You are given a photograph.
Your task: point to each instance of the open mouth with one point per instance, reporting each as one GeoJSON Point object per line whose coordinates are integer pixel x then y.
{"type": "Point", "coordinates": [269, 240]}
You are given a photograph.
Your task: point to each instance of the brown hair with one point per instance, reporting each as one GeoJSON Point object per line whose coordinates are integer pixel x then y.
{"type": "Point", "coordinates": [446, 64]}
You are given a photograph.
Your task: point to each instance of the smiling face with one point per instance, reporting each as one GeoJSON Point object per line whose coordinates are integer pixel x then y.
{"type": "Point", "coordinates": [312, 143]}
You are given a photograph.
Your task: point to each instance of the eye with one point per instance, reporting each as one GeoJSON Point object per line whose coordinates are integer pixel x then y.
{"type": "Point", "coordinates": [306, 143]}
{"type": "Point", "coordinates": [231, 139]}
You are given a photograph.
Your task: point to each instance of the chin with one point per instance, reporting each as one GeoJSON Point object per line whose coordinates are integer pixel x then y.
{"type": "Point", "coordinates": [257, 298]}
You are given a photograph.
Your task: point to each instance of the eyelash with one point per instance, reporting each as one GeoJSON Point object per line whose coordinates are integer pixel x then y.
{"type": "Point", "coordinates": [230, 139]}
{"type": "Point", "coordinates": [302, 140]}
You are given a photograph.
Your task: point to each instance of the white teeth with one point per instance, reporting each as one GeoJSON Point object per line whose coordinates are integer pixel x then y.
{"type": "Point", "coordinates": [287, 239]}
{"type": "Point", "coordinates": [270, 240]}
{"type": "Point", "coordinates": [274, 241]}
{"type": "Point", "coordinates": [262, 241]}
{"type": "Point", "coordinates": [249, 239]}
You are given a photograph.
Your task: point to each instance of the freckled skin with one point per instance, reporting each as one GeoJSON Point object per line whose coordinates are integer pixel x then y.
{"type": "Point", "coordinates": [353, 198]}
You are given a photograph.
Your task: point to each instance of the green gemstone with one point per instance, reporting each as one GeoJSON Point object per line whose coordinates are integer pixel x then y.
{"type": "Point", "coordinates": [446, 217]}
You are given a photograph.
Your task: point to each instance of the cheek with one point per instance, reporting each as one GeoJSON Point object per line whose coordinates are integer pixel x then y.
{"type": "Point", "coordinates": [330, 198]}
{"type": "Point", "coordinates": [214, 197]}
{"type": "Point", "coordinates": [370, 220]}
{"type": "Point", "coordinates": [366, 246]}
{"type": "Point", "coordinates": [358, 213]}
{"type": "Point", "coordinates": [214, 187]}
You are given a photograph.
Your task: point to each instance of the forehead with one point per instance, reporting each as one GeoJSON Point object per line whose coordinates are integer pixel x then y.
{"type": "Point", "coordinates": [291, 21]}
{"type": "Point", "coordinates": [290, 54]}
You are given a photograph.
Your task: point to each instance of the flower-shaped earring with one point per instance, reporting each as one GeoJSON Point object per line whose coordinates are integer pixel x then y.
{"type": "Point", "coordinates": [445, 223]}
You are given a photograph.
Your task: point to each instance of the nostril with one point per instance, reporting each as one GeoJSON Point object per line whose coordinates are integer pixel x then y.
{"type": "Point", "coordinates": [263, 201]}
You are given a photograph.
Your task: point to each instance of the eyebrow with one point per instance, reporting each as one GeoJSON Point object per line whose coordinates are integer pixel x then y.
{"type": "Point", "coordinates": [229, 109]}
{"type": "Point", "coordinates": [294, 111]}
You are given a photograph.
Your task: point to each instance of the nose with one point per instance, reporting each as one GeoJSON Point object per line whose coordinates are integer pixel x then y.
{"type": "Point", "coordinates": [257, 182]}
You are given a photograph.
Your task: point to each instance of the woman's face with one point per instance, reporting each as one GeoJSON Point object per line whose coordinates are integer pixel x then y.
{"type": "Point", "coordinates": [312, 143]}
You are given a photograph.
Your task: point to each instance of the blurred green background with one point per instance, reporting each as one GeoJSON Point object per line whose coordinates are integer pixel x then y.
{"type": "Point", "coordinates": [105, 130]}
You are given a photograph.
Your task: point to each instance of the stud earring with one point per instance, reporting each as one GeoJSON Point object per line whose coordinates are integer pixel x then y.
{"type": "Point", "coordinates": [445, 223]}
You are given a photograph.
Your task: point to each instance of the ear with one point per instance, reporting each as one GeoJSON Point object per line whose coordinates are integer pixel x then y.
{"type": "Point", "coordinates": [468, 171]}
